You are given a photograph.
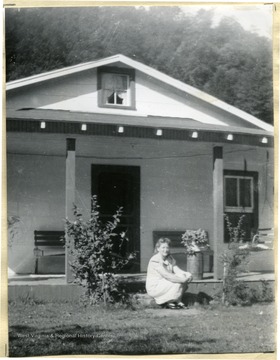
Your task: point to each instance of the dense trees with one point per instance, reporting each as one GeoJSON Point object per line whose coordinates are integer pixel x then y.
{"type": "Point", "coordinates": [225, 61]}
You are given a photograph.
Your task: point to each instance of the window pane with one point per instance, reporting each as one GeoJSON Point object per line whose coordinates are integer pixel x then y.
{"type": "Point", "coordinates": [121, 97]}
{"type": "Point", "coordinates": [108, 81]}
{"type": "Point", "coordinates": [115, 89]}
{"type": "Point", "coordinates": [245, 192]}
{"type": "Point", "coordinates": [231, 192]}
{"type": "Point", "coordinates": [115, 82]}
{"type": "Point", "coordinates": [121, 82]}
{"type": "Point", "coordinates": [109, 97]}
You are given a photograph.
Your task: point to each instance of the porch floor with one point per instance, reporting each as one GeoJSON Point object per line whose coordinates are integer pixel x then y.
{"type": "Point", "coordinates": [138, 278]}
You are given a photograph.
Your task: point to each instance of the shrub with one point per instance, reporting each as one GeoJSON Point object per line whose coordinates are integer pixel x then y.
{"type": "Point", "coordinates": [264, 293]}
{"type": "Point", "coordinates": [236, 233]}
{"type": "Point", "coordinates": [95, 250]}
{"type": "Point", "coordinates": [235, 261]}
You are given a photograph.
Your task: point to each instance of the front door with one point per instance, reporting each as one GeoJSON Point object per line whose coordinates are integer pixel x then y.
{"type": "Point", "coordinates": [119, 186]}
{"type": "Point", "coordinates": [241, 199]}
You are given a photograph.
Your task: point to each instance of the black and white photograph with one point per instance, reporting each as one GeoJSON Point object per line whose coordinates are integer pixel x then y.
{"type": "Point", "coordinates": [140, 180]}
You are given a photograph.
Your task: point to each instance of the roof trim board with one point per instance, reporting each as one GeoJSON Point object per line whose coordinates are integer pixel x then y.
{"type": "Point", "coordinates": [136, 131]}
{"type": "Point", "coordinates": [147, 121]}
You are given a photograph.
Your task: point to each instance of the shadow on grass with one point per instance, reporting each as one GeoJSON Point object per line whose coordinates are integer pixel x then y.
{"type": "Point", "coordinates": [201, 298]}
{"type": "Point", "coordinates": [29, 341]}
{"type": "Point", "coordinates": [73, 333]}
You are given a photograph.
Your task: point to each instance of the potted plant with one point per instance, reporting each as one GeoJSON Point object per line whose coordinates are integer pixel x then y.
{"type": "Point", "coordinates": [195, 241]}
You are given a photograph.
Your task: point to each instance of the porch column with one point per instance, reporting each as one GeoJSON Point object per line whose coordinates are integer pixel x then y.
{"type": "Point", "coordinates": [69, 196]}
{"type": "Point", "coordinates": [218, 210]}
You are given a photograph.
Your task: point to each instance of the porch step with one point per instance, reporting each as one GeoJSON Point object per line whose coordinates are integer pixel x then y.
{"type": "Point", "coordinates": [54, 288]}
{"type": "Point", "coordinates": [198, 292]}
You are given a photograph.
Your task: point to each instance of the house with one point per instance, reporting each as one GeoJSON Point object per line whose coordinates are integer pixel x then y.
{"type": "Point", "coordinates": [174, 157]}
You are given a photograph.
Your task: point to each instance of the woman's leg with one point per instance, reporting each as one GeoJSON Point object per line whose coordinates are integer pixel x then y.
{"type": "Point", "coordinates": [184, 289]}
{"type": "Point", "coordinates": [166, 291]}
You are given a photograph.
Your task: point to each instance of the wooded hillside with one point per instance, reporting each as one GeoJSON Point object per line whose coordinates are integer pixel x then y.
{"type": "Point", "coordinates": [225, 61]}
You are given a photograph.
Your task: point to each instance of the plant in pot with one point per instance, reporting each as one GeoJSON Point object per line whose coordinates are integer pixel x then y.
{"type": "Point", "coordinates": [195, 241]}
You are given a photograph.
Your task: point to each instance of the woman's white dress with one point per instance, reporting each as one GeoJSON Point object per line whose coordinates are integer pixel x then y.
{"type": "Point", "coordinates": [162, 283]}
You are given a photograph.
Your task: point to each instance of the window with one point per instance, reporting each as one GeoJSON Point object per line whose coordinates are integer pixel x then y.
{"type": "Point", "coordinates": [239, 193]}
{"type": "Point", "coordinates": [116, 88]}
{"type": "Point", "coordinates": [241, 198]}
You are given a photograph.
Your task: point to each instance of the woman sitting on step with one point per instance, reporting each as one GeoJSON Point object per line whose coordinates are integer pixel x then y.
{"type": "Point", "coordinates": [166, 282]}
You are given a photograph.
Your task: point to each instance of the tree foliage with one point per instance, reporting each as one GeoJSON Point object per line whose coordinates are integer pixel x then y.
{"type": "Point", "coordinates": [226, 61]}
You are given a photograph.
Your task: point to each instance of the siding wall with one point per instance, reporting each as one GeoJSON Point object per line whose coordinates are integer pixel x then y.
{"type": "Point", "coordinates": [176, 184]}
{"type": "Point", "coordinates": [36, 193]}
{"type": "Point", "coordinates": [78, 93]}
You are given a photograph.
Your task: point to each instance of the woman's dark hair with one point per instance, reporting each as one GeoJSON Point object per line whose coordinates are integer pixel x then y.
{"type": "Point", "coordinates": [160, 241]}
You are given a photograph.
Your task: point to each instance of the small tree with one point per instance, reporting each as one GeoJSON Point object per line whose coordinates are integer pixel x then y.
{"type": "Point", "coordinates": [95, 252]}
{"type": "Point", "coordinates": [235, 261]}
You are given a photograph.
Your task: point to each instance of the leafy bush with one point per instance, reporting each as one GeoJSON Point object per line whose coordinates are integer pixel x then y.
{"type": "Point", "coordinates": [264, 293]}
{"type": "Point", "coordinates": [95, 257]}
{"type": "Point", "coordinates": [241, 293]}
{"type": "Point", "coordinates": [236, 233]}
{"type": "Point", "coordinates": [235, 260]}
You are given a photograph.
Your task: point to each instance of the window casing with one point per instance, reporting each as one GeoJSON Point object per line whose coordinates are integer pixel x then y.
{"type": "Point", "coordinates": [239, 193]}
{"type": "Point", "coordinates": [116, 88]}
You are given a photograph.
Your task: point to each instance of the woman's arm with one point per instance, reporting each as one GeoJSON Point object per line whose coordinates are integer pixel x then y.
{"type": "Point", "coordinates": [180, 272]}
{"type": "Point", "coordinates": [169, 276]}
{"type": "Point", "coordinates": [177, 270]}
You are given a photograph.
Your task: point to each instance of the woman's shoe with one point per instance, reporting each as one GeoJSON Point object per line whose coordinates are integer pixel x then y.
{"type": "Point", "coordinates": [181, 305]}
{"type": "Point", "coordinates": [171, 306]}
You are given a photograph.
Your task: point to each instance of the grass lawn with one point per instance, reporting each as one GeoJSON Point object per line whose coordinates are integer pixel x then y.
{"type": "Point", "coordinates": [67, 328]}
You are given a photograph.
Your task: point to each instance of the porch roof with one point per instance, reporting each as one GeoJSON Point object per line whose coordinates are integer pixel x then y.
{"type": "Point", "coordinates": [149, 120]}
{"type": "Point", "coordinates": [59, 121]}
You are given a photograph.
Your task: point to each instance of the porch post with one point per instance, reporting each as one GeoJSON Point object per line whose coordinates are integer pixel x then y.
{"type": "Point", "coordinates": [218, 210]}
{"type": "Point", "coordinates": [69, 195]}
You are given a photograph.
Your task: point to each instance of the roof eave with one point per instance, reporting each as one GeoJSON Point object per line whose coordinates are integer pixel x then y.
{"type": "Point", "coordinates": [125, 120]}
{"type": "Point", "coordinates": [12, 85]}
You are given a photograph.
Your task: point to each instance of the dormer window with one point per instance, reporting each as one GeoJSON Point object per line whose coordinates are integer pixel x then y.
{"type": "Point", "coordinates": [116, 88]}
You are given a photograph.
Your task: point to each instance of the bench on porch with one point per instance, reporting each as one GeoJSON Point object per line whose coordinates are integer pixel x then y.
{"type": "Point", "coordinates": [261, 257]}
{"type": "Point", "coordinates": [178, 249]}
{"type": "Point", "coordinates": [48, 243]}
{"type": "Point", "coordinates": [265, 237]}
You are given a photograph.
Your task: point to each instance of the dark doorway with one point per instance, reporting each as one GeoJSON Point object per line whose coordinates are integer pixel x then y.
{"type": "Point", "coordinates": [119, 186]}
